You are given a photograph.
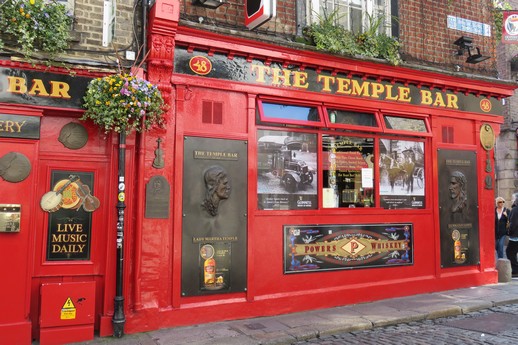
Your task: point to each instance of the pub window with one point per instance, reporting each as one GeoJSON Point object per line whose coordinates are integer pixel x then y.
{"type": "Point", "coordinates": [394, 123]}
{"type": "Point", "coordinates": [341, 118]}
{"type": "Point", "coordinates": [298, 114]}
{"type": "Point", "coordinates": [348, 171]}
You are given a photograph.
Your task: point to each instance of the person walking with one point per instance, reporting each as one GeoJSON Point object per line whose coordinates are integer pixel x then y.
{"type": "Point", "coordinates": [512, 247]}
{"type": "Point", "coordinates": [501, 218]}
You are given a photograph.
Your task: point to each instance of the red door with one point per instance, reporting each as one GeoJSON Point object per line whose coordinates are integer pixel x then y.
{"type": "Point", "coordinates": [71, 229]}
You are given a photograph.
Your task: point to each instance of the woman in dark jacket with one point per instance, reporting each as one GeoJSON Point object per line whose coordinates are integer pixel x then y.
{"type": "Point", "coordinates": [512, 247]}
{"type": "Point", "coordinates": [500, 226]}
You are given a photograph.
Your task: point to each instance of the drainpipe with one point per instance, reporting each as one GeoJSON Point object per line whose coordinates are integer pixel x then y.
{"type": "Point", "coordinates": [119, 319]}
{"type": "Point", "coordinates": [140, 182]}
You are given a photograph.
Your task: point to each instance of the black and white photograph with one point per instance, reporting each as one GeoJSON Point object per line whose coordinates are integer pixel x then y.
{"type": "Point", "coordinates": [402, 178]}
{"type": "Point", "coordinates": [286, 170]}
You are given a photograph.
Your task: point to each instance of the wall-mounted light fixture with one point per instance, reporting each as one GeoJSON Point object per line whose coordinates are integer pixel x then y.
{"type": "Point", "coordinates": [208, 3]}
{"type": "Point", "coordinates": [466, 44]}
{"type": "Point", "coordinates": [476, 58]}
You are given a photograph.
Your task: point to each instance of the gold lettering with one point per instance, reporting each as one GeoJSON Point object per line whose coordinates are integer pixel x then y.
{"type": "Point", "coordinates": [38, 88]}
{"type": "Point", "coordinates": [327, 80]}
{"type": "Point", "coordinates": [278, 78]}
{"type": "Point", "coordinates": [300, 80]}
{"type": "Point", "coordinates": [360, 89]}
{"type": "Point", "coordinates": [439, 101]}
{"type": "Point", "coordinates": [9, 126]}
{"type": "Point", "coordinates": [426, 97]}
{"type": "Point", "coordinates": [377, 88]}
{"type": "Point", "coordinates": [16, 85]}
{"type": "Point", "coordinates": [404, 94]}
{"type": "Point", "coordinates": [452, 101]}
{"type": "Point", "coordinates": [59, 89]}
{"type": "Point", "coordinates": [343, 86]}
{"type": "Point", "coordinates": [390, 96]}
{"type": "Point", "coordinates": [68, 248]}
{"type": "Point", "coordinates": [261, 71]}
{"type": "Point", "coordinates": [19, 125]}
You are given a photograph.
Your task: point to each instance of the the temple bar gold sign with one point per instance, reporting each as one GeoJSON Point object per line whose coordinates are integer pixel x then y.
{"type": "Point", "coordinates": [10, 217]}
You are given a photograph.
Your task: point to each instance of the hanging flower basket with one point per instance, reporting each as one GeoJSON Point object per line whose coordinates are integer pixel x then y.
{"type": "Point", "coordinates": [123, 103]}
{"type": "Point", "coordinates": [35, 25]}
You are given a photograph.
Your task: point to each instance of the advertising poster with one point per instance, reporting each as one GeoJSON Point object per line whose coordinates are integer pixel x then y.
{"type": "Point", "coordinates": [287, 170]}
{"type": "Point", "coordinates": [214, 208]}
{"type": "Point", "coordinates": [458, 206]}
{"type": "Point", "coordinates": [310, 248]}
{"type": "Point", "coordinates": [70, 218]}
{"type": "Point", "coordinates": [402, 178]}
{"type": "Point", "coordinates": [510, 27]}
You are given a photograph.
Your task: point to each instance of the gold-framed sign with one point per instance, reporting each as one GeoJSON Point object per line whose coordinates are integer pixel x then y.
{"type": "Point", "coordinates": [487, 137]}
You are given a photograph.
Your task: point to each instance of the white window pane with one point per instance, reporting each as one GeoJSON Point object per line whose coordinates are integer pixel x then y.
{"type": "Point", "coordinates": [353, 14]}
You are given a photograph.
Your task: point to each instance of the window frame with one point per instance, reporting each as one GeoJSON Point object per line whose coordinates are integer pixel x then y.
{"type": "Point", "coordinates": [376, 129]}
{"type": "Point", "coordinates": [266, 119]}
{"type": "Point", "coordinates": [425, 118]}
{"type": "Point", "coordinates": [367, 7]}
{"type": "Point", "coordinates": [325, 127]}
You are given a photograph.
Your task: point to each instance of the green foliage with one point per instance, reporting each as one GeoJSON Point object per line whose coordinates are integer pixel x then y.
{"type": "Point", "coordinates": [328, 36]}
{"type": "Point", "coordinates": [498, 16]}
{"type": "Point", "coordinates": [122, 103]}
{"type": "Point", "coordinates": [36, 25]}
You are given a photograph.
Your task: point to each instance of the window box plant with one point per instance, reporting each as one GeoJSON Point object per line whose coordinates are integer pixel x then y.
{"type": "Point", "coordinates": [35, 25]}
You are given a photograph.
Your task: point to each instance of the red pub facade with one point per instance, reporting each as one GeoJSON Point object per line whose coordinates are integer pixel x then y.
{"type": "Point", "coordinates": [285, 180]}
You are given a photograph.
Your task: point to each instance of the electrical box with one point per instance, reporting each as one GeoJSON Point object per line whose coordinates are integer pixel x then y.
{"type": "Point", "coordinates": [67, 312]}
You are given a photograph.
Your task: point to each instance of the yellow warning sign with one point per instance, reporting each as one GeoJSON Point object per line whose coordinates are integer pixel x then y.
{"type": "Point", "coordinates": [68, 314]}
{"type": "Point", "coordinates": [69, 304]}
{"type": "Point", "coordinates": [68, 311]}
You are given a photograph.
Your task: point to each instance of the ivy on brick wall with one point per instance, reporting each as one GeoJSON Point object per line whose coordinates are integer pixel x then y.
{"type": "Point", "coordinates": [498, 16]}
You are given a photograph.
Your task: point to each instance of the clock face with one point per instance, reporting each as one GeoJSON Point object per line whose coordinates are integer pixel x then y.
{"type": "Point", "coordinates": [487, 137]}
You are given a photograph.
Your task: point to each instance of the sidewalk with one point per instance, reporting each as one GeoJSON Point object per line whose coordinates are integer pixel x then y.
{"type": "Point", "coordinates": [289, 328]}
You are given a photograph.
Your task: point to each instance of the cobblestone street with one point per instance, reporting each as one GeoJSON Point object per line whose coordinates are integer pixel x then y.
{"type": "Point", "coordinates": [498, 325]}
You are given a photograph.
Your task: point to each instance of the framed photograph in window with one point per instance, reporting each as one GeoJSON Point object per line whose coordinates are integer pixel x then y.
{"type": "Point", "coordinates": [347, 164]}
{"type": "Point", "coordinates": [401, 174]}
{"type": "Point", "coordinates": [286, 170]}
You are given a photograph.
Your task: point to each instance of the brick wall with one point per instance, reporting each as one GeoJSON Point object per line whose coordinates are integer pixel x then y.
{"type": "Point", "coordinates": [427, 40]}
{"type": "Point", "coordinates": [506, 149]}
{"type": "Point", "coordinates": [88, 30]}
{"type": "Point", "coordinates": [232, 15]}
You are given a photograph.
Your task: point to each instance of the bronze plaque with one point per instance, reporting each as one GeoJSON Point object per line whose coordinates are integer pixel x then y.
{"type": "Point", "coordinates": [10, 215]}
{"type": "Point", "coordinates": [487, 137]}
{"type": "Point", "coordinates": [214, 208]}
{"type": "Point", "coordinates": [157, 198]}
{"type": "Point", "coordinates": [458, 207]}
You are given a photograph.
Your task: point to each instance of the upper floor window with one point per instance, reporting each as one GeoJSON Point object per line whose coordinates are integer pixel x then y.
{"type": "Point", "coordinates": [355, 15]}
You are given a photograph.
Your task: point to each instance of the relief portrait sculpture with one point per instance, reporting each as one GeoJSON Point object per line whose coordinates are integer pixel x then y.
{"type": "Point", "coordinates": [458, 194]}
{"type": "Point", "coordinates": [217, 188]}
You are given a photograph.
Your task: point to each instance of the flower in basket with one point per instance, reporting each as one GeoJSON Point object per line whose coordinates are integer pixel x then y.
{"type": "Point", "coordinates": [36, 25]}
{"type": "Point", "coordinates": [122, 103]}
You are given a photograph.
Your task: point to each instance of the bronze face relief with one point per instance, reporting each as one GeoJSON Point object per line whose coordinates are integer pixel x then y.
{"type": "Point", "coordinates": [217, 188]}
